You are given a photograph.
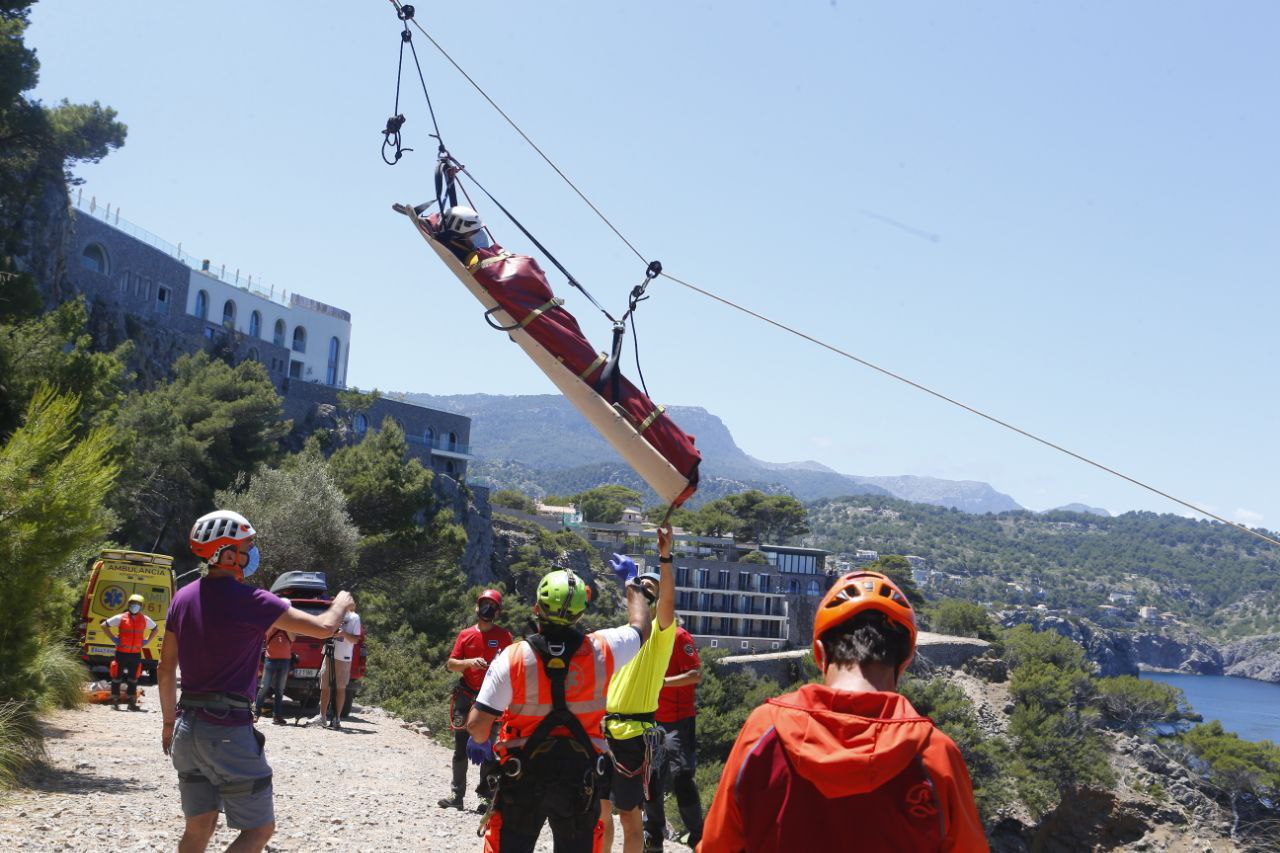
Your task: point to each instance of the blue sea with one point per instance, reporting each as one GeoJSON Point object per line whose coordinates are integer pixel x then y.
{"type": "Point", "coordinates": [1249, 708]}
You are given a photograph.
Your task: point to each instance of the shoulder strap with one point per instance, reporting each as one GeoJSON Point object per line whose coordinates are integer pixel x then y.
{"type": "Point", "coordinates": [554, 658]}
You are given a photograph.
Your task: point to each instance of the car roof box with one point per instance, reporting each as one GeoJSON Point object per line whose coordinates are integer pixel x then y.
{"type": "Point", "coordinates": [301, 585]}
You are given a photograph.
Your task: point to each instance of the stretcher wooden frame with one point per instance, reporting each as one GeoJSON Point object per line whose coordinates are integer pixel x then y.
{"type": "Point", "coordinates": [617, 429]}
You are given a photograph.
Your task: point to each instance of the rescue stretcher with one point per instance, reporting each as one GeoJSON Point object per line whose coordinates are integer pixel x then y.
{"type": "Point", "coordinates": [519, 300]}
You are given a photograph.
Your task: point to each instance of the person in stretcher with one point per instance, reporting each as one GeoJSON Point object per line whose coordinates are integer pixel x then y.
{"type": "Point", "coordinates": [462, 231]}
{"type": "Point", "coordinates": [519, 288]}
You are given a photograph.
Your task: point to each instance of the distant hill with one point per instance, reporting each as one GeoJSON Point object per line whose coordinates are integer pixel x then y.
{"type": "Point", "coordinates": [1216, 578]}
{"type": "Point", "coordinates": [541, 445]}
{"type": "Point", "coordinates": [1091, 510]}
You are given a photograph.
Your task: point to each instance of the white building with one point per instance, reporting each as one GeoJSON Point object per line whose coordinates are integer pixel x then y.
{"type": "Point", "coordinates": [318, 336]}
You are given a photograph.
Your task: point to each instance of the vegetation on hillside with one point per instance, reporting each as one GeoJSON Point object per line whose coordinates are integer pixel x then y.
{"type": "Point", "coordinates": [1216, 578]}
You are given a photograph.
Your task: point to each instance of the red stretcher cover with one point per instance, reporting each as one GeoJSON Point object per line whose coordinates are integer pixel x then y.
{"type": "Point", "coordinates": [519, 285]}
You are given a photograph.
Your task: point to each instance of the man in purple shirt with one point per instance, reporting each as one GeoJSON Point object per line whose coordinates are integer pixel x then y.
{"type": "Point", "coordinates": [214, 634]}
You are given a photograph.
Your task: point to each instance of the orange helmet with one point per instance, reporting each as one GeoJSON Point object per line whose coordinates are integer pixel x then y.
{"type": "Point", "coordinates": [861, 592]}
{"type": "Point", "coordinates": [216, 530]}
{"type": "Point", "coordinates": [492, 595]}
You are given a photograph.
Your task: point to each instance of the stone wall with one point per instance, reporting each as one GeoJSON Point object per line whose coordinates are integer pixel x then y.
{"type": "Point", "coordinates": [932, 650]}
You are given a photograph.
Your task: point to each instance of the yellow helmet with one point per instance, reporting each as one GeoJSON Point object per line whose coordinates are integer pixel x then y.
{"type": "Point", "coordinates": [136, 599]}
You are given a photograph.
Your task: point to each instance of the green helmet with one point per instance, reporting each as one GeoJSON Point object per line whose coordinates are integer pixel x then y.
{"type": "Point", "coordinates": [562, 597]}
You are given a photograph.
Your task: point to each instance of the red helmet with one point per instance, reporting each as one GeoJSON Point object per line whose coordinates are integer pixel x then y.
{"type": "Point", "coordinates": [860, 592]}
{"type": "Point", "coordinates": [215, 531]}
{"type": "Point", "coordinates": [491, 594]}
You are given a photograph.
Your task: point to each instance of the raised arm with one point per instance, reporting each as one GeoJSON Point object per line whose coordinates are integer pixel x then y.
{"type": "Point", "coordinates": [323, 626]}
{"type": "Point", "coordinates": [638, 615]}
{"type": "Point", "coordinates": [667, 584]}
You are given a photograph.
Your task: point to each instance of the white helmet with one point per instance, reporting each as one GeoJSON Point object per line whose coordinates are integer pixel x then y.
{"type": "Point", "coordinates": [217, 530]}
{"type": "Point", "coordinates": [462, 220]}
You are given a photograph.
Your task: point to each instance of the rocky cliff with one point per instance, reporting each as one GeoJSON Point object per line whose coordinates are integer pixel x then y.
{"type": "Point", "coordinates": [1117, 652]}
{"type": "Point", "coordinates": [1253, 657]}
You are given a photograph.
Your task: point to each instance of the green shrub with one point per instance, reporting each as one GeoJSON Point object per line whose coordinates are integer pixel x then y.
{"type": "Point", "coordinates": [63, 674]}
{"type": "Point", "coordinates": [990, 760]}
{"type": "Point", "coordinates": [21, 745]}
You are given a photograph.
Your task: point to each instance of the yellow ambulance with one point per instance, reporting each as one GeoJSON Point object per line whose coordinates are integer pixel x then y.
{"type": "Point", "coordinates": [113, 577]}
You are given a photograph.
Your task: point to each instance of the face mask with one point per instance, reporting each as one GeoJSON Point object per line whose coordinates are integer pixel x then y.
{"type": "Point", "coordinates": [135, 608]}
{"type": "Point", "coordinates": [252, 567]}
{"type": "Point", "coordinates": [487, 612]}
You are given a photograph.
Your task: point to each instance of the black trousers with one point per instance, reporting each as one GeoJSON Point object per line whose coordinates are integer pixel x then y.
{"type": "Point", "coordinates": [461, 707]}
{"type": "Point", "coordinates": [126, 670]}
{"type": "Point", "coordinates": [526, 808]}
{"type": "Point", "coordinates": [682, 785]}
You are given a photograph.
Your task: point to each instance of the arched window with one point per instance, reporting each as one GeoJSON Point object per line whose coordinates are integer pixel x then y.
{"type": "Point", "coordinates": [202, 305]}
{"type": "Point", "coordinates": [299, 339]}
{"type": "Point", "coordinates": [449, 467]}
{"type": "Point", "coordinates": [278, 337]}
{"type": "Point", "coordinates": [94, 259]}
{"type": "Point", "coordinates": [361, 423]}
{"type": "Point", "coordinates": [253, 354]}
{"type": "Point", "coordinates": [255, 324]}
{"type": "Point", "coordinates": [331, 373]}
{"type": "Point", "coordinates": [229, 313]}
{"type": "Point", "coordinates": [429, 436]}
{"type": "Point", "coordinates": [812, 588]}
{"type": "Point", "coordinates": [453, 441]}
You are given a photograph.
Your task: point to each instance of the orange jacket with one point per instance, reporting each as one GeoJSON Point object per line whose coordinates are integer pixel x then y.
{"type": "Point", "coordinates": [820, 765]}
{"type": "Point", "coordinates": [585, 686]}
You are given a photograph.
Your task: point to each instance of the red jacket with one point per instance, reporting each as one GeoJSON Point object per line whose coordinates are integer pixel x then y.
{"type": "Point", "coordinates": [676, 703]}
{"type": "Point", "coordinates": [823, 769]}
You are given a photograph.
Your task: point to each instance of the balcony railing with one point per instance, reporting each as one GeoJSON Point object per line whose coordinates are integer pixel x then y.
{"type": "Point", "coordinates": [219, 271]}
{"type": "Point", "coordinates": [440, 444]}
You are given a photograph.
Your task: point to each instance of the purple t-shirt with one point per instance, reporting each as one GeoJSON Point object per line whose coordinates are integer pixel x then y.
{"type": "Point", "coordinates": [219, 624]}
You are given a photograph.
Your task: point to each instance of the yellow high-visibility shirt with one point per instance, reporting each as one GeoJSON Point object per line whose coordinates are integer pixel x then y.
{"type": "Point", "coordinates": [635, 687]}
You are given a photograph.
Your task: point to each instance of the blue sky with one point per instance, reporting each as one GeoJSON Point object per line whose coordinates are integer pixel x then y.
{"type": "Point", "coordinates": [1101, 179]}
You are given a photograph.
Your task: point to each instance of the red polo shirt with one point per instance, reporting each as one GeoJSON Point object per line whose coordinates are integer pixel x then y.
{"type": "Point", "coordinates": [676, 703]}
{"type": "Point", "coordinates": [474, 643]}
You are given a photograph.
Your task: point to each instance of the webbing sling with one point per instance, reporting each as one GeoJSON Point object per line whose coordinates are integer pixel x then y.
{"type": "Point", "coordinates": [229, 789]}
{"type": "Point", "coordinates": [560, 714]}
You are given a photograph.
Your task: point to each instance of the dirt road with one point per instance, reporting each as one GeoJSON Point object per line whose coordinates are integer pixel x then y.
{"type": "Point", "coordinates": [371, 787]}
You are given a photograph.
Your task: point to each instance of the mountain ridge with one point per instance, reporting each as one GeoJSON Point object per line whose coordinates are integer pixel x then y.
{"type": "Point", "coordinates": [540, 444]}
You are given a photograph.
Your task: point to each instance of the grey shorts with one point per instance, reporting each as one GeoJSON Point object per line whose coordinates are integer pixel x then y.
{"type": "Point", "coordinates": [223, 768]}
{"type": "Point", "coordinates": [341, 671]}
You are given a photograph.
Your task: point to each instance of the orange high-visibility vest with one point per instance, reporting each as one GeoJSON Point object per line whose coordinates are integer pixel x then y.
{"type": "Point", "coordinates": [130, 631]}
{"type": "Point", "coordinates": [586, 683]}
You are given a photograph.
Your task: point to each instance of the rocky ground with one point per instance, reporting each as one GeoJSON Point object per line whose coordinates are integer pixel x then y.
{"type": "Point", "coordinates": [371, 787]}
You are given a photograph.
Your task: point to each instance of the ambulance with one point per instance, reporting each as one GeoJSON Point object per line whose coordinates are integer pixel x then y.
{"type": "Point", "coordinates": [113, 577]}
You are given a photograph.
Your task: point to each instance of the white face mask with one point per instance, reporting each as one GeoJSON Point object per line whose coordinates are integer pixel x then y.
{"type": "Point", "coordinates": [135, 608]}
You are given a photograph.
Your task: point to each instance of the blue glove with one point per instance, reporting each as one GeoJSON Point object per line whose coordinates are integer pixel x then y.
{"type": "Point", "coordinates": [624, 568]}
{"type": "Point", "coordinates": [479, 752]}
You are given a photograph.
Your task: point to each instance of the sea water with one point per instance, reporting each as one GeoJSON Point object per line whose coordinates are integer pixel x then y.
{"type": "Point", "coordinates": [1249, 708]}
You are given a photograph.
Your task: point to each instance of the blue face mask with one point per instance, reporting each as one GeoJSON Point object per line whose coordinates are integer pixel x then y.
{"type": "Point", "coordinates": [252, 566]}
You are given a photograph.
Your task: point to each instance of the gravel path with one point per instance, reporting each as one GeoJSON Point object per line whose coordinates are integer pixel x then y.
{"type": "Point", "coordinates": [371, 787]}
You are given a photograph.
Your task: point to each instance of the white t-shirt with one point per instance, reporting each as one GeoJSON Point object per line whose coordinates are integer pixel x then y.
{"type": "Point", "coordinates": [342, 648]}
{"type": "Point", "coordinates": [114, 621]}
{"type": "Point", "coordinates": [496, 691]}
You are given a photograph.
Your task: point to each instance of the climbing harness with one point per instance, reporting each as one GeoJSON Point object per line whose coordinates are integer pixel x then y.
{"type": "Point", "coordinates": [553, 659]}
{"type": "Point", "coordinates": [653, 740]}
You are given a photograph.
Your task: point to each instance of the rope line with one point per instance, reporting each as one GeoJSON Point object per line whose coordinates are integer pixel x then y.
{"type": "Point", "coordinates": [526, 138]}
{"type": "Point", "coordinates": [995, 420]}
{"type": "Point", "coordinates": [865, 363]}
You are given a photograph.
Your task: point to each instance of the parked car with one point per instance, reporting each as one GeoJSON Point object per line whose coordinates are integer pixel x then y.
{"type": "Point", "coordinates": [309, 591]}
{"type": "Point", "coordinates": [114, 575]}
